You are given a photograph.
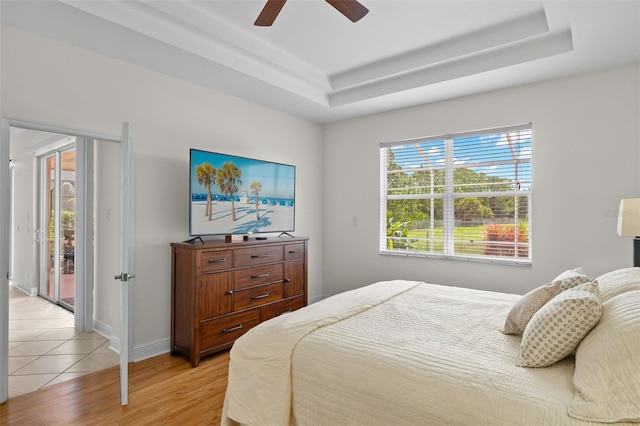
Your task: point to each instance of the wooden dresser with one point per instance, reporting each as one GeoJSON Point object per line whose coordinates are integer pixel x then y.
{"type": "Point", "coordinates": [220, 290]}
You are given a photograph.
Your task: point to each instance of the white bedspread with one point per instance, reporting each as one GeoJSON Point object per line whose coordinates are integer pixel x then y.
{"type": "Point", "coordinates": [259, 389]}
{"type": "Point", "coordinates": [410, 354]}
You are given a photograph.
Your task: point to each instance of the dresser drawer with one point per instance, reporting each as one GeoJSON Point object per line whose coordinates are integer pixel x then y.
{"type": "Point", "coordinates": [226, 329]}
{"type": "Point", "coordinates": [257, 296]}
{"type": "Point", "coordinates": [280, 308]}
{"type": "Point", "coordinates": [211, 261]}
{"type": "Point", "coordinates": [257, 256]}
{"type": "Point", "coordinates": [252, 277]}
{"type": "Point", "coordinates": [294, 251]}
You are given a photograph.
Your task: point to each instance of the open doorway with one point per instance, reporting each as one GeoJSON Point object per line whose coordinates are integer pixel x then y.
{"type": "Point", "coordinates": [103, 241]}
{"type": "Point", "coordinates": [50, 332]}
{"type": "Point", "coordinates": [43, 220]}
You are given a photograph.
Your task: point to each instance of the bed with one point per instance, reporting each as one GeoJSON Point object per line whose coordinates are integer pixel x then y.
{"type": "Point", "coordinates": [412, 353]}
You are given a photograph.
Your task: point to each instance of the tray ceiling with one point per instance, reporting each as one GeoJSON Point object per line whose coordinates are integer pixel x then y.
{"type": "Point", "coordinates": [315, 63]}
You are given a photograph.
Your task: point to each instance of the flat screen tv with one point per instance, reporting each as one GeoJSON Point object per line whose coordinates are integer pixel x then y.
{"type": "Point", "coordinates": [237, 195]}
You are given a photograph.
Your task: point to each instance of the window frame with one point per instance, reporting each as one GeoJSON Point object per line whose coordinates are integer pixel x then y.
{"type": "Point", "coordinates": [450, 195]}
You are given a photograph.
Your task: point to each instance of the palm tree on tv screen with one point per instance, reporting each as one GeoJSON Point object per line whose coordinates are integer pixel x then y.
{"type": "Point", "coordinates": [206, 175]}
{"type": "Point", "coordinates": [255, 188]}
{"type": "Point", "coordinates": [228, 178]}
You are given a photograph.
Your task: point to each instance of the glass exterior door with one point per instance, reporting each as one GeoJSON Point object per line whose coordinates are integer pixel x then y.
{"type": "Point", "coordinates": [57, 227]}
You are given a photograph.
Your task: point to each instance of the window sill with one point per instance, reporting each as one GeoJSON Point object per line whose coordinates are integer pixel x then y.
{"type": "Point", "coordinates": [478, 259]}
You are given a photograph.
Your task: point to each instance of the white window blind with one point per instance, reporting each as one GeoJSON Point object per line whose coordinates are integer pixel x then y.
{"type": "Point", "coordinates": [462, 195]}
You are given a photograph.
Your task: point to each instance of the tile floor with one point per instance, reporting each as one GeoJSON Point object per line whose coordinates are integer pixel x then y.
{"type": "Point", "coordinates": [45, 348]}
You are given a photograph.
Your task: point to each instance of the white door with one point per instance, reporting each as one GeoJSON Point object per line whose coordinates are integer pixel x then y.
{"type": "Point", "coordinates": [4, 260]}
{"type": "Point", "coordinates": [126, 274]}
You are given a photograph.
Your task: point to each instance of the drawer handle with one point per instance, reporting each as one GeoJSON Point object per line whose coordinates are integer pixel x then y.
{"type": "Point", "coordinates": [229, 292]}
{"type": "Point", "coordinates": [262, 296]}
{"type": "Point", "coordinates": [285, 312]}
{"type": "Point", "coordinates": [294, 251]}
{"type": "Point", "coordinates": [229, 330]}
{"type": "Point", "coordinates": [286, 280]}
{"type": "Point", "coordinates": [266, 274]}
{"type": "Point", "coordinates": [221, 260]}
{"type": "Point", "coordinates": [257, 256]}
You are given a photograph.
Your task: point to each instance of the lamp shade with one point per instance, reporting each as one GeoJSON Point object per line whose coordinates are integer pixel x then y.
{"type": "Point", "coordinates": [629, 217]}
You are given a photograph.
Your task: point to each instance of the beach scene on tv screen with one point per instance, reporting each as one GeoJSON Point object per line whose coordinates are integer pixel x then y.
{"type": "Point", "coordinates": [237, 195]}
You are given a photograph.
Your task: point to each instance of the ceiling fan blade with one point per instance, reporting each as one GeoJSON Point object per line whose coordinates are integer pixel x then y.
{"type": "Point", "coordinates": [269, 13]}
{"type": "Point", "coordinates": [352, 9]}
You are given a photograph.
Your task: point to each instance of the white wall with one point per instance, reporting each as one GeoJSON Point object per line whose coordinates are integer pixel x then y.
{"type": "Point", "coordinates": [23, 273]}
{"type": "Point", "coordinates": [585, 158]}
{"type": "Point", "coordinates": [49, 82]}
{"type": "Point", "coordinates": [107, 238]}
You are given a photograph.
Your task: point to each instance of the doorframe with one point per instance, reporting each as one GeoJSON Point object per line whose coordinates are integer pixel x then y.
{"type": "Point", "coordinates": [84, 266]}
{"type": "Point", "coordinates": [5, 245]}
{"type": "Point", "coordinates": [5, 249]}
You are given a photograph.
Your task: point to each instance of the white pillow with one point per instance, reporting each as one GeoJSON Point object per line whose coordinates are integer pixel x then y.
{"type": "Point", "coordinates": [617, 282]}
{"type": "Point", "coordinates": [607, 372]}
{"type": "Point", "coordinates": [559, 326]}
{"type": "Point", "coordinates": [523, 310]}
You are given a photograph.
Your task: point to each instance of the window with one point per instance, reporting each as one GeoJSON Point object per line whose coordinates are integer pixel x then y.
{"type": "Point", "coordinates": [462, 196]}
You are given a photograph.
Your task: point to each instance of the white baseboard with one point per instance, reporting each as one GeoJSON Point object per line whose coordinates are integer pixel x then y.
{"type": "Point", "coordinates": [150, 350]}
{"type": "Point", "coordinates": [315, 299]}
{"type": "Point", "coordinates": [144, 351]}
{"type": "Point", "coordinates": [26, 289]}
{"type": "Point", "coordinates": [114, 344]}
{"type": "Point", "coordinates": [102, 329]}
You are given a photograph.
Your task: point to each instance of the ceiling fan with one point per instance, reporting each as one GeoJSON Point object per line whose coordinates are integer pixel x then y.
{"type": "Point", "coordinates": [352, 9]}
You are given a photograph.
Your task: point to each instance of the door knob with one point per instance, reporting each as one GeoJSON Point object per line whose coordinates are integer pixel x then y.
{"type": "Point", "coordinates": [124, 277]}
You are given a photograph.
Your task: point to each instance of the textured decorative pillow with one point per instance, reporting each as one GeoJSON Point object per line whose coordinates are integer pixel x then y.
{"type": "Point", "coordinates": [559, 326]}
{"type": "Point", "coordinates": [617, 282]}
{"type": "Point", "coordinates": [523, 310]}
{"type": "Point", "coordinates": [572, 278]}
{"type": "Point", "coordinates": [607, 374]}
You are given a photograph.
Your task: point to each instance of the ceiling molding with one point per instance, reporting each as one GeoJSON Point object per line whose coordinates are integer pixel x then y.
{"type": "Point", "coordinates": [466, 44]}
{"type": "Point", "coordinates": [529, 50]}
{"type": "Point", "coordinates": [189, 27]}
{"type": "Point", "coordinates": [457, 48]}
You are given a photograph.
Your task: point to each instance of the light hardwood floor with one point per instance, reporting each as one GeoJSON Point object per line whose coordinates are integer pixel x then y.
{"type": "Point", "coordinates": [163, 390]}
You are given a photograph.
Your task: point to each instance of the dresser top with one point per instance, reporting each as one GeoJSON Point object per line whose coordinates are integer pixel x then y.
{"type": "Point", "coordinates": [222, 244]}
